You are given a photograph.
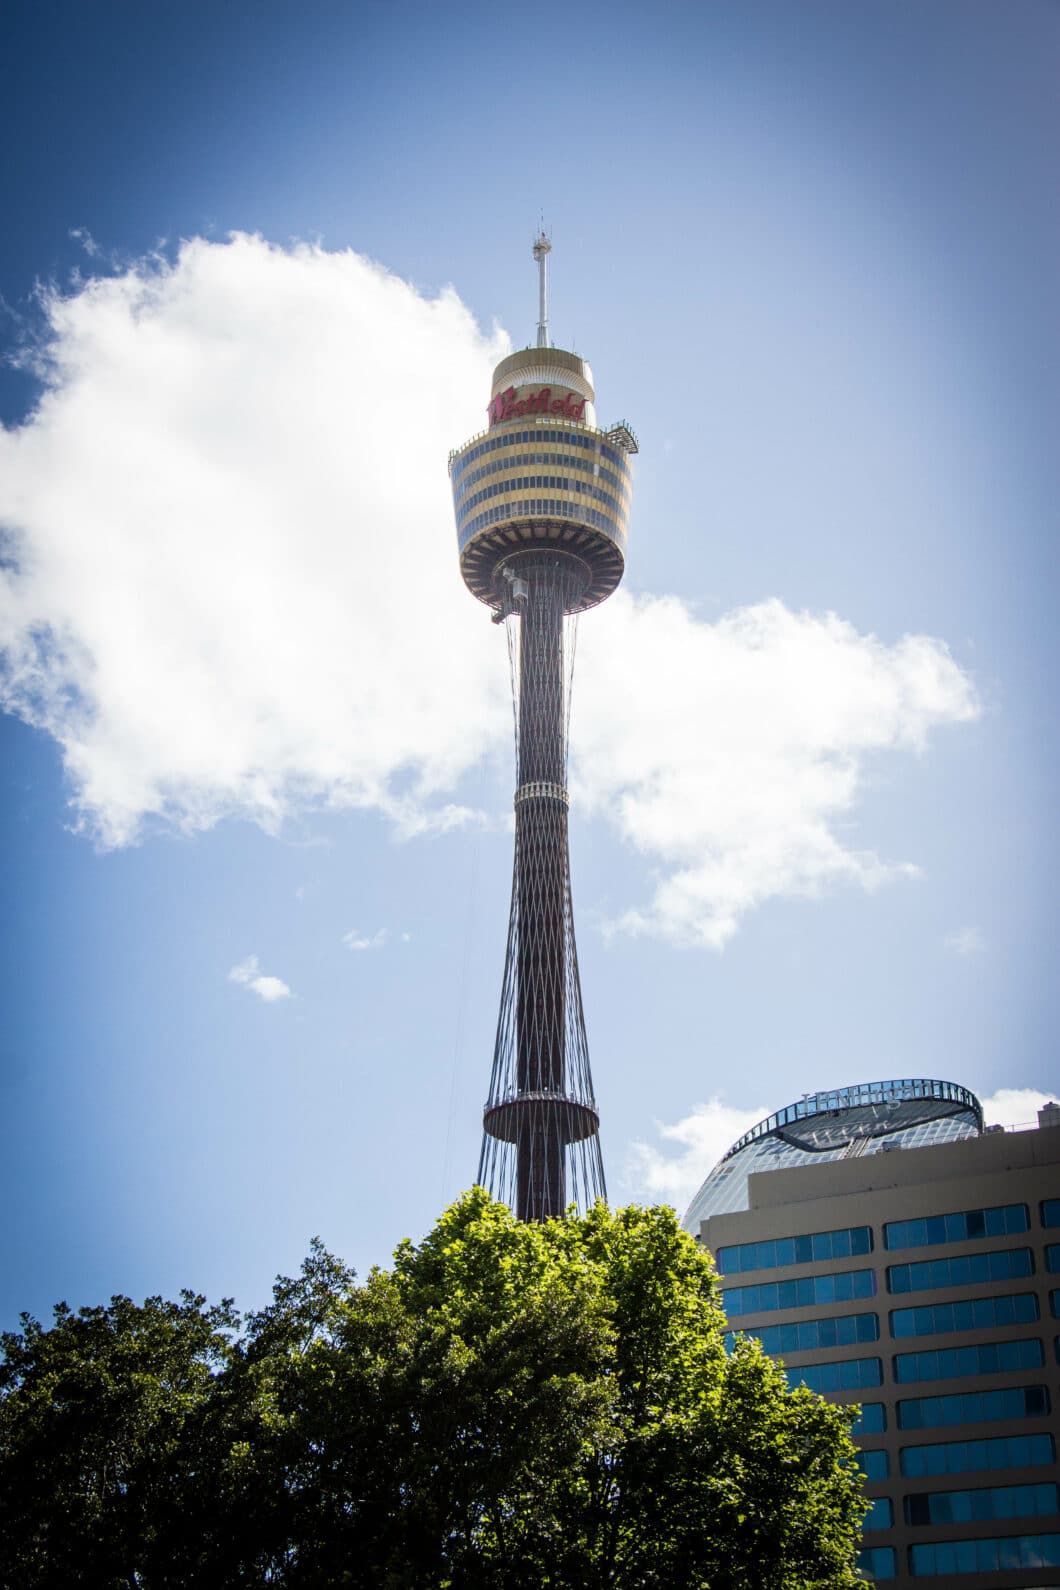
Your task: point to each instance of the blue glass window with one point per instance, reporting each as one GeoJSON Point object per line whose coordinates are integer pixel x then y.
{"type": "Point", "coordinates": [984, 1556]}
{"type": "Point", "coordinates": [1051, 1212]}
{"type": "Point", "coordinates": [1054, 1304]}
{"type": "Point", "coordinates": [960, 1269]}
{"type": "Point", "coordinates": [935, 1319]}
{"type": "Point", "coordinates": [805, 1292]}
{"type": "Point", "coordinates": [964, 1225]}
{"type": "Point", "coordinates": [877, 1562]}
{"type": "Point", "coordinates": [781, 1251]}
{"type": "Point", "coordinates": [973, 1407]}
{"type": "Point", "coordinates": [879, 1516]}
{"type": "Point", "coordinates": [1052, 1257]}
{"type": "Point", "coordinates": [805, 1335]}
{"type": "Point", "coordinates": [874, 1465]}
{"type": "Point", "coordinates": [871, 1421]}
{"type": "Point", "coordinates": [967, 1507]}
{"type": "Point", "coordinates": [972, 1457]}
{"type": "Point", "coordinates": [949, 1363]}
{"type": "Point", "coordinates": [850, 1374]}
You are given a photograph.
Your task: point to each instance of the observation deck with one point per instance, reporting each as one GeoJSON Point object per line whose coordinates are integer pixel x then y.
{"type": "Point", "coordinates": [543, 477]}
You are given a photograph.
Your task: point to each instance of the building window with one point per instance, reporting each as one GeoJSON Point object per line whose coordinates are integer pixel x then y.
{"type": "Point", "coordinates": [985, 1556]}
{"type": "Point", "coordinates": [1054, 1304]}
{"type": "Point", "coordinates": [976, 1313]}
{"type": "Point", "coordinates": [806, 1335]}
{"type": "Point", "coordinates": [874, 1465]}
{"type": "Point", "coordinates": [871, 1421]}
{"type": "Point", "coordinates": [879, 1516]}
{"type": "Point", "coordinates": [968, 1507]}
{"type": "Point", "coordinates": [973, 1407]}
{"type": "Point", "coordinates": [877, 1562]}
{"type": "Point", "coordinates": [807, 1291]}
{"type": "Point", "coordinates": [781, 1251]}
{"type": "Point", "coordinates": [850, 1374]}
{"type": "Point", "coordinates": [971, 1457]}
{"type": "Point", "coordinates": [1050, 1209]}
{"type": "Point", "coordinates": [965, 1225]}
{"type": "Point", "coordinates": [960, 1269]}
{"type": "Point", "coordinates": [950, 1363]}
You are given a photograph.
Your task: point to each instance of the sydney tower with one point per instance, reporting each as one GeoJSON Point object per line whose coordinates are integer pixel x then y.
{"type": "Point", "coordinates": [542, 501]}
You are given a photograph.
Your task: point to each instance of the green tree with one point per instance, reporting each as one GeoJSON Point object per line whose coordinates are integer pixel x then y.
{"type": "Point", "coordinates": [509, 1405]}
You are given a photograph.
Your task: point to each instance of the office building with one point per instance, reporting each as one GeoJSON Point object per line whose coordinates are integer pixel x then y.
{"type": "Point", "coordinates": [894, 1253]}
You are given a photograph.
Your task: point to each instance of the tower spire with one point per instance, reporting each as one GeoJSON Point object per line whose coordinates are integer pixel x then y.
{"type": "Point", "coordinates": [542, 249]}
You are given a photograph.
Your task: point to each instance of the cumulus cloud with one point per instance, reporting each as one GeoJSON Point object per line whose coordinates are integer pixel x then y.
{"type": "Point", "coordinates": [661, 1174]}
{"type": "Point", "coordinates": [731, 751]}
{"type": "Point", "coordinates": [1014, 1106]}
{"type": "Point", "coordinates": [249, 975]}
{"type": "Point", "coordinates": [965, 941]}
{"type": "Point", "coordinates": [228, 588]}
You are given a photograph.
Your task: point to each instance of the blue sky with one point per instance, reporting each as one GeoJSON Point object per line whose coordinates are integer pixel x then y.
{"type": "Point", "coordinates": [255, 725]}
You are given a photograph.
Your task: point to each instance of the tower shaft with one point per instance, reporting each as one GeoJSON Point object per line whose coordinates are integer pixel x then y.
{"type": "Point", "coordinates": [543, 890]}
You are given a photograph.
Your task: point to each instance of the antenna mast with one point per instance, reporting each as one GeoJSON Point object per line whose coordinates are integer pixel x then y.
{"type": "Point", "coordinates": [542, 249]}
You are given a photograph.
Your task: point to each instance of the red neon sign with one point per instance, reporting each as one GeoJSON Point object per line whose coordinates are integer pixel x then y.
{"type": "Point", "coordinates": [505, 406]}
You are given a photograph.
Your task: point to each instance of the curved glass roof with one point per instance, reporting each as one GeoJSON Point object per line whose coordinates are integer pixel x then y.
{"type": "Point", "coordinates": [840, 1124]}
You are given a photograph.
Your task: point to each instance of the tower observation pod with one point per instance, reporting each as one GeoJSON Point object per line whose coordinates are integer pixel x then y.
{"type": "Point", "coordinates": [542, 501]}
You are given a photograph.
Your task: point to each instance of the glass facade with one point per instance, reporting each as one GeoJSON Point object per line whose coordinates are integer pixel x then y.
{"type": "Point", "coordinates": [1054, 1304]}
{"type": "Point", "coordinates": [963, 1226]}
{"type": "Point", "coordinates": [805, 1292]}
{"type": "Point", "coordinates": [960, 1269]}
{"type": "Point", "coordinates": [774, 1255]}
{"type": "Point", "coordinates": [850, 1374]}
{"type": "Point", "coordinates": [971, 1457]}
{"type": "Point", "coordinates": [992, 1502]}
{"type": "Point", "coordinates": [977, 1313]}
{"type": "Point", "coordinates": [809, 1334]}
{"type": "Point", "coordinates": [985, 1556]}
{"type": "Point", "coordinates": [989, 1358]}
{"type": "Point", "coordinates": [973, 1407]}
{"type": "Point", "coordinates": [1052, 1257]}
{"type": "Point", "coordinates": [1050, 1209]}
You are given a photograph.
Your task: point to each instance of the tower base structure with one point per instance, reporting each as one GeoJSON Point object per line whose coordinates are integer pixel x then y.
{"type": "Point", "coordinates": [541, 1145]}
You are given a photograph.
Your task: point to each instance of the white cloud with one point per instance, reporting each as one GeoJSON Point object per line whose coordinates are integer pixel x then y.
{"type": "Point", "coordinates": [229, 588]}
{"type": "Point", "coordinates": [965, 941]}
{"type": "Point", "coordinates": [249, 975]}
{"type": "Point", "coordinates": [366, 941]}
{"type": "Point", "coordinates": [731, 751]}
{"type": "Point", "coordinates": [1014, 1106]}
{"type": "Point", "coordinates": [661, 1175]}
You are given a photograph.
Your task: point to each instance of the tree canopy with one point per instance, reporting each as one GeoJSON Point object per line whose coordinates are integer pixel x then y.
{"type": "Point", "coordinates": [509, 1405]}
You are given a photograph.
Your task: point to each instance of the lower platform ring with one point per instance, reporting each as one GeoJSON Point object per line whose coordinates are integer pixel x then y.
{"type": "Point", "coordinates": [481, 559]}
{"type": "Point", "coordinates": [511, 1119]}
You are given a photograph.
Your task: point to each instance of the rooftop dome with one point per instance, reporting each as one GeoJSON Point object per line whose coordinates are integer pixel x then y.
{"type": "Point", "coordinates": [864, 1119]}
